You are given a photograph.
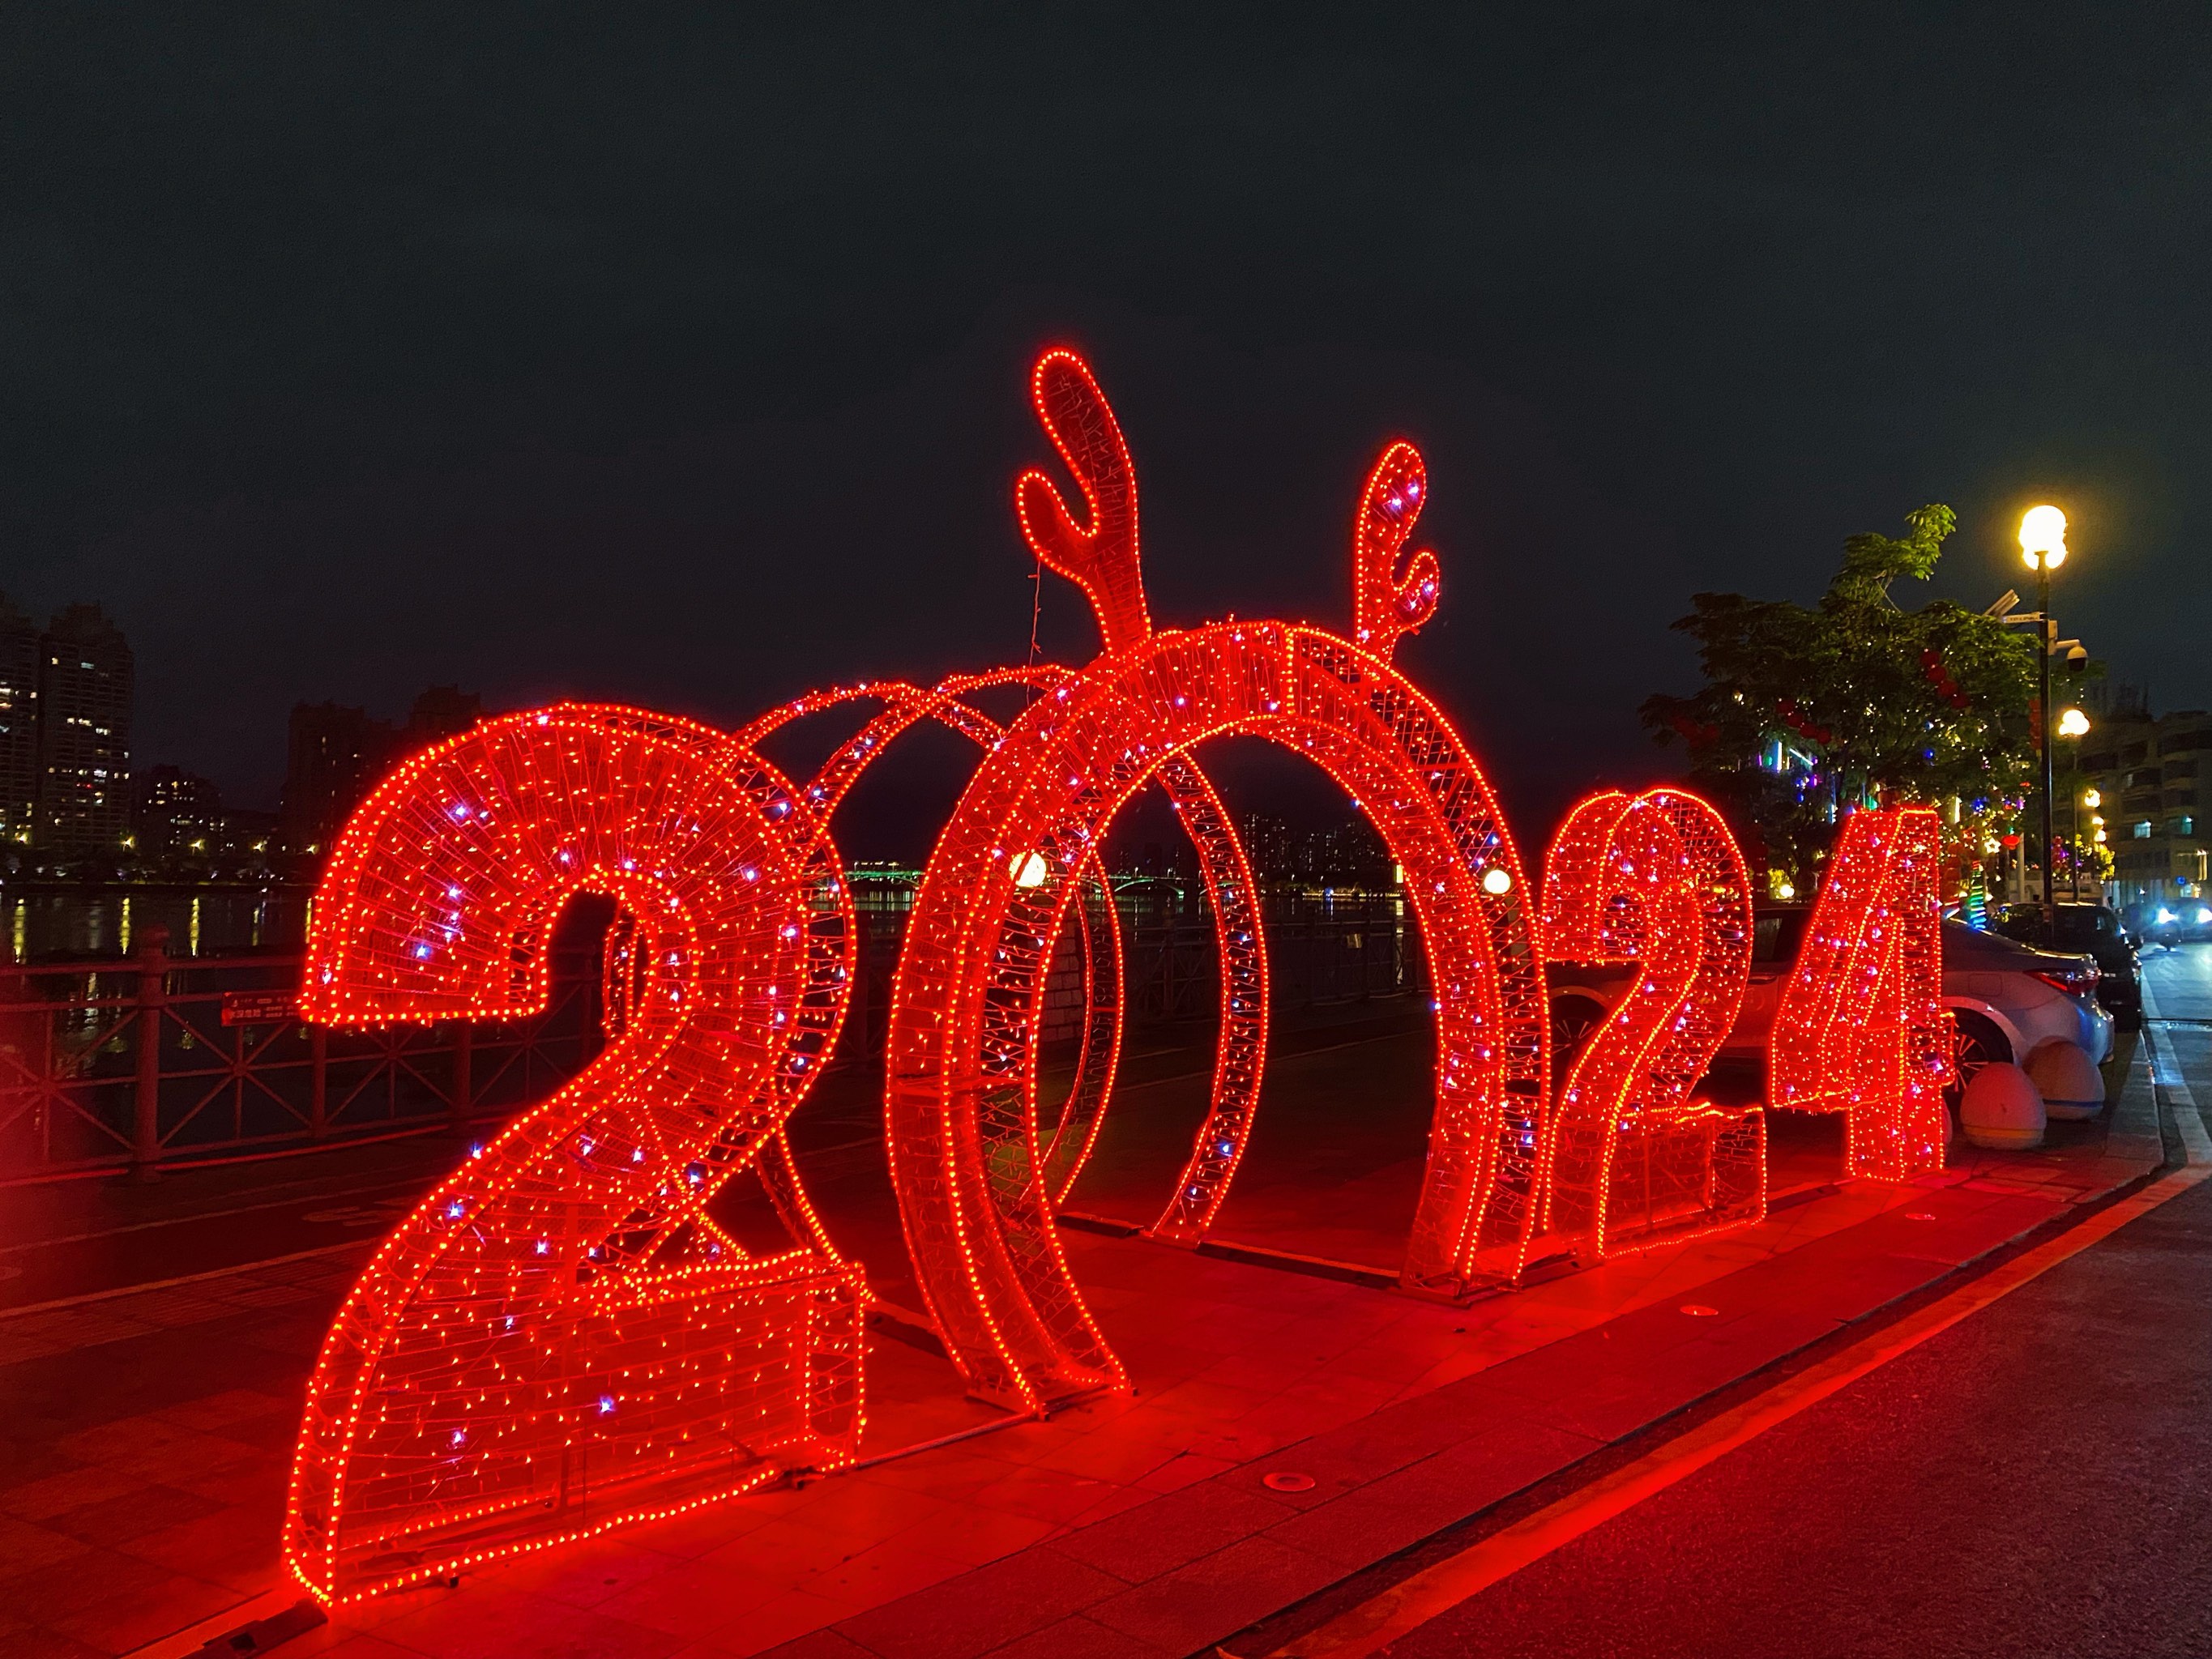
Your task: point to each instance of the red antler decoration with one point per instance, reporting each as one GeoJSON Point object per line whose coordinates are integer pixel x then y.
{"type": "Point", "coordinates": [1387, 602]}
{"type": "Point", "coordinates": [1100, 560]}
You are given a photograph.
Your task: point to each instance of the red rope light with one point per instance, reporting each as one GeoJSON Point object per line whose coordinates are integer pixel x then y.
{"type": "Point", "coordinates": [1860, 1029]}
{"type": "Point", "coordinates": [1657, 880]}
{"type": "Point", "coordinates": [1386, 601]}
{"type": "Point", "coordinates": [1101, 559]}
{"type": "Point", "coordinates": [559, 1338]}
{"type": "Point", "coordinates": [969, 981]}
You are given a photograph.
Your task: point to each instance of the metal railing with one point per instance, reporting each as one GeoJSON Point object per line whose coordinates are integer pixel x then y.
{"type": "Point", "coordinates": [155, 1060]}
{"type": "Point", "coordinates": [1320, 953]}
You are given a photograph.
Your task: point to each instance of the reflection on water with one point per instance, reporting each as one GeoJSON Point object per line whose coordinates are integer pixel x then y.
{"type": "Point", "coordinates": [96, 923]}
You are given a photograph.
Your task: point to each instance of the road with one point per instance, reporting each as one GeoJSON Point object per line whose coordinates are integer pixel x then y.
{"type": "Point", "coordinates": [2037, 1480]}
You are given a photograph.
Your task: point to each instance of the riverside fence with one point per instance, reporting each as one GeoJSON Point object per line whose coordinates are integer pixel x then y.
{"type": "Point", "coordinates": [147, 1061]}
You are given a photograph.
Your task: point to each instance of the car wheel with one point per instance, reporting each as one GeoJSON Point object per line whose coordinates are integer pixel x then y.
{"type": "Point", "coordinates": [1975, 1042]}
{"type": "Point", "coordinates": [1575, 1015]}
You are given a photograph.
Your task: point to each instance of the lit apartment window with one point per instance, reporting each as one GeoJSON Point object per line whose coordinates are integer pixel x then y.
{"type": "Point", "coordinates": [2141, 829]}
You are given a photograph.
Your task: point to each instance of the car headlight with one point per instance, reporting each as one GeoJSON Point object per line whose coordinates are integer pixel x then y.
{"type": "Point", "coordinates": [2203, 916]}
{"type": "Point", "coordinates": [2165, 914]}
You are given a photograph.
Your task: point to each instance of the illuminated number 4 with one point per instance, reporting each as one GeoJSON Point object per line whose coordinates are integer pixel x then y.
{"type": "Point", "coordinates": [1860, 1029]}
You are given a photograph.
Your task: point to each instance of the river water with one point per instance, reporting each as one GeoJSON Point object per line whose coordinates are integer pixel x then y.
{"type": "Point", "coordinates": [81, 924]}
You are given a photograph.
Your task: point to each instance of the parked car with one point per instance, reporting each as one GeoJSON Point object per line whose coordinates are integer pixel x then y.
{"type": "Point", "coordinates": [2097, 929]}
{"type": "Point", "coordinates": [2180, 922]}
{"type": "Point", "coordinates": [2003, 996]}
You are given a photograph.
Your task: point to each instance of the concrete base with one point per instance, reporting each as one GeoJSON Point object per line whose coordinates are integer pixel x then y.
{"type": "Point", "coordinates": [2002, 1109]}
{"type": "Point", "coordinates": [2070, 1086]}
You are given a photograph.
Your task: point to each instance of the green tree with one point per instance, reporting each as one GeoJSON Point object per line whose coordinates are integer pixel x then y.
{"type": "Point", "coordinates": [1806, 711]}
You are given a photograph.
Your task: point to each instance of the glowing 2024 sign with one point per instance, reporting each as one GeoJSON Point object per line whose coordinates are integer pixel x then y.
{"type": "Point", "coordinates": [561, 1339]}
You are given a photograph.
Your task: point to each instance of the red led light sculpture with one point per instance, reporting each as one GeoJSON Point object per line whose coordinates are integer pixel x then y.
{"type": "Point", "coordinates": [1656, 880]}
{"type": "Point", "coordinates": [964, 1145]}
{"type": "Point", "coordinates": [561, 1338]}
{"type": "Point", "coordinates": [558, 1338]}
{"type": "Point", "coordinates": [1860, 1029]}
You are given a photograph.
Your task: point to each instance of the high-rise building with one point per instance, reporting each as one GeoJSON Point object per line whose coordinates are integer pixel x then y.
{"type": "Point", "coordinates": [19, 723]}
{"type": "Point", "coordinates": [176, 816]}
{"type": "Point", "coordinates": [2148, 773]}
{"type": "Point", "coordinates": [1269, 846]}
{"type": "Point", "coordinates": [338, 754]}
{"type": "Point", "coordinates": [335, 756]}
{"type": "Point", "coordinates": [85, 674]}
{"type": "Point", "coordinates": [441, 712]}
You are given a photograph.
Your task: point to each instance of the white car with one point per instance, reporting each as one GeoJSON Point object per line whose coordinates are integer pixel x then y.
{"type": "Point", "coordinates": [2004, 997]}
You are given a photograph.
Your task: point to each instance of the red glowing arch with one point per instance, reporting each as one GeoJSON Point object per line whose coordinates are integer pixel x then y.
{"type": "Point", "coordinates": [963, 1141]}
{"type": "Point", "coordinates": [558, 1338]}
{"type": "Point", "coordinates": [1860, 1029]}
{"type": "Point", "coordinates": [1656, 880]}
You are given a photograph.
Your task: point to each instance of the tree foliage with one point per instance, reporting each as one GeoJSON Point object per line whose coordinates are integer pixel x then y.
{"type": "Point", "coordinates": [1867, 699]}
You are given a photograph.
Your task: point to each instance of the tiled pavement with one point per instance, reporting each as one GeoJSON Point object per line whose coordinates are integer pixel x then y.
{"type": "Point", "coordinates": [1122, 1527]}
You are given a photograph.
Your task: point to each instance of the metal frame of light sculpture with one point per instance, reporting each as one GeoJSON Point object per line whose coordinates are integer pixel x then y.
{"type": "Point", "coordinates": [1860, 1029]}
{"type": "Point", "coordinates": [963, 1140]}
{"type": "Point", "coordinates": [558, 1339]}
{"type": "Point", "coordinates": [1240, 1055]}
{"type": "Point", "coordinates": [1099, 932]}
{"type": "Point", "coordinates": [1658, 881]}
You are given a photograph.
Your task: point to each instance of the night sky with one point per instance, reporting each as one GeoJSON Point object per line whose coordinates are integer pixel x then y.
{"type": "Point", "coordinates": [682, 361]}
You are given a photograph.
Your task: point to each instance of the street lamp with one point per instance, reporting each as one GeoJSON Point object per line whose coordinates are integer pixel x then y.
{"type": "Point", "coordinates": [2043, 548]}
{"type": "Point", "coordinates": [2073, 723]}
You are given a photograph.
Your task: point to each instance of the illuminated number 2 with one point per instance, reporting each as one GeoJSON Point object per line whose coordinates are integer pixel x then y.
{"type": "Point", "coordinates": [560, 1338]}
{"type": "Point", "coordinates": [1657, 880]}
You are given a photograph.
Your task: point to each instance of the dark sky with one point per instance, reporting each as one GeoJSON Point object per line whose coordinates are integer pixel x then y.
{"type": "Point", "coordinates": [680, 358]}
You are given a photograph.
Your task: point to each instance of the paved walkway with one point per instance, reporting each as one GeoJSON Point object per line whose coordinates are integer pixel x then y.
{"type": "Point", "coordinates": [2034, 1481]}
{"type": "Point", "coordinates": [142, 1473]}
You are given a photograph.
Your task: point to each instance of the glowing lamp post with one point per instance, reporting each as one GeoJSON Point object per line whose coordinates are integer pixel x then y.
{"type": "Point", "coordinates": [2043, 547]}
{"type": "Point", "coordinates": [2073, 723]}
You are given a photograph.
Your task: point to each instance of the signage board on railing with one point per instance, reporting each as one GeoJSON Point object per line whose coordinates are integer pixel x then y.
{"type": "Point", "coordinates": [260, 1008]}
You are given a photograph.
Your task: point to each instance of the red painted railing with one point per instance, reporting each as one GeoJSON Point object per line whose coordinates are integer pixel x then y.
{"type": "Point", "coordinates": [155, 1060]}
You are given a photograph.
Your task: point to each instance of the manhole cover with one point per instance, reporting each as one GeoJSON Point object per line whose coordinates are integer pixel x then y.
{"type": "Point", "coordinates": [1283, 1481]}
{"type": "Point", "coordinates": [1698, 1311]}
